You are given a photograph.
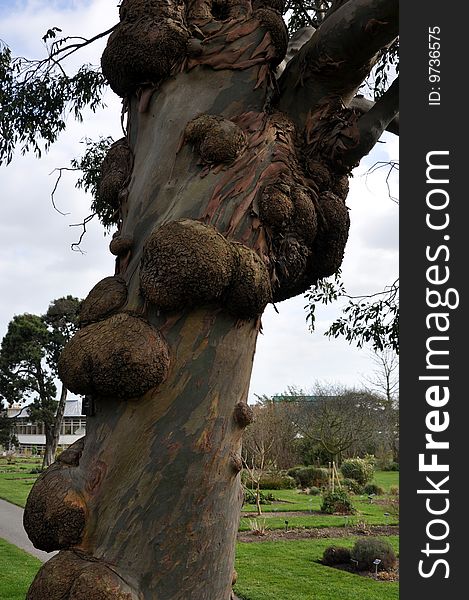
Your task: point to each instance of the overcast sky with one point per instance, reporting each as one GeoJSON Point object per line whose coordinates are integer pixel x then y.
{"type": "Point", "coordinates": [37, 264]}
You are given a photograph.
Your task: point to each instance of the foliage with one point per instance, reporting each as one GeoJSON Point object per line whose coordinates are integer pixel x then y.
{"type": "Point", "coordinates": [390, 466]}
{"type": "Point", "coordinates": [370, 319]}
{"type": "Point", "coordinates": [337, 502]}
{"type": "Point", "coordinates": [367, 549]}
{"type": "Point", "coordinates": [276, 481]}
{"type": "Point", "coordinates": [373, 488]}
{"type": "Point", "coordinates": [314, 491]}
{"type": "Point", "coordinates": [352, 486]}
{"type": "Point", "coordinates": [308, 476]}
{"type": "Point", "coordinates": [35, 98]}
{"type": "Point", "coordinates": [336, 555]}
{"type": "Point", "coordinates": [90, 166]}
{"type": "Point", "coordinates": [7, 430]}
{"type": "Point", "coordinates": [358, 469]}
{"type": "Point", "coordinates": [264, 498]}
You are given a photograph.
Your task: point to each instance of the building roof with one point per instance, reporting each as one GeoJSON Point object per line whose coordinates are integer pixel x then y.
{"type": "Point", "coordinates": [72, 409]}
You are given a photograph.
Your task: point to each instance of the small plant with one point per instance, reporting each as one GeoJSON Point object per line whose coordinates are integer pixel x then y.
{"type": "Point", "coordinates": [35, 471]}
{"type": "Point", "coordinates": [314, 491]}
{"type": "Point", "coordinates": [257, 526]}
{"type": "Point", "coordinates": [352, 486]}
{"type": "Point", "coordinates": [336, 555]}
{"type": "Point", "coordinates": [264, 498]}
{"type": "Point", "coordinates": [372, 488]}
{"type": "Point", "coordinates": [358, 469]}
{"type": "Point", "coordinates": [366, 550]}
{"type": "Point", "coordinates": [362, 527]}
{"type": "Point", "coordinates": [394, 490]}
{"type": "Point", "coordinates": [337, 502]}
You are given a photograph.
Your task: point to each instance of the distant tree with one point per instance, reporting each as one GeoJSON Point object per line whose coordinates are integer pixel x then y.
{"type": "Point", "coordinates": [28, 366]}
{"type": "Point", "coordinates": [25, 375]}
{"type": "Point", "coordinates": [8, 437]}
{"type": "Point", "coordinates": [62, 321]}
{"type": "Point", "coordinates": [384, 381]}
{"type": "Point", "coordinates": [336, 419]}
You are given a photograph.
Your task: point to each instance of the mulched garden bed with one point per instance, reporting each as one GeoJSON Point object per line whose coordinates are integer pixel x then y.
{"type": "Point", "coordinates": [392, 575]}
{"type": "Point", "coordinates": [271, 535]}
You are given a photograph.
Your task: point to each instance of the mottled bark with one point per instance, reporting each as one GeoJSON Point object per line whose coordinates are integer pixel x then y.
{"type": "Point", "coordinates": [51, 448]}
{"type": "Point", "coordinates": [226, 208]}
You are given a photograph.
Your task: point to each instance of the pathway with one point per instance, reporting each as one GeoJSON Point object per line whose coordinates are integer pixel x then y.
{"type": "Point", "coordinates": [11, 530]}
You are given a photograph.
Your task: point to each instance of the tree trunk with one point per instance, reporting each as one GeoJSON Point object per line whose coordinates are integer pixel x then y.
{"type": "Point", "coordinates": [216, 217]}
{"type": "Point", "coordinates": [49, 454]}
{"type": "Point", "coordinates": [54, 436]}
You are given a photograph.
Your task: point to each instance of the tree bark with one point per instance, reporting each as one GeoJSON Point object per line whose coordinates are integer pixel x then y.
{"type": "Point", "coordinates": [218, 216]}
{"type": "Point", "coordinates": [54, 435]}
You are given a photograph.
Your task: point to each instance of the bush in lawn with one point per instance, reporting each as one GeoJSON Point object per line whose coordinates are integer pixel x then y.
{"type": "Point", "coordinates": [314, 491]}
{"type": "Point", "coordinates": [352, 486]}
{"type": "Point", "coordinates": [308, 476]}
{"type": "Point", "coordinates": [394, 490]}
{"type": "Point", "coordinates": [337, 502]}
{"type": "Point", "coordinates": [390, 466]}
{"type": "Point", "coordinates": [335, 555]}
{"type": "Point", "coordinates": [358, 469]}
{"type": "Point", "coordinates": [373, 488]}
{"type": "Point", "coordinates": [250, 497]}
{"type": "Point", "coordinates": [275, 481]}
{"type": "Point", "coordinates": [366, 550]}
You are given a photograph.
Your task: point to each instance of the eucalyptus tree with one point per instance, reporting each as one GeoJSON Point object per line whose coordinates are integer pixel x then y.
{"type": "Point", "coordinates": [227, 192]}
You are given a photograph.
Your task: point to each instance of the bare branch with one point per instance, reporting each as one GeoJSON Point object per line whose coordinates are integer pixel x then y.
{"type": "Point", "coordinates": [76, 245]}
{"type": "Point", "coordinates": [372, 124]}
{"type": "Point", "coordinates": [338, 57]}
{"type": "Point", "coordinates": [363, 105]}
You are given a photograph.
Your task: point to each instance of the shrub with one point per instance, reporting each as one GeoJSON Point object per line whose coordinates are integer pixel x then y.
{"type": "Point", "coordinates": [366, 550]}
{"type": "Point", "coordinates": [276, 481]}
{"type": "Point", "coordinates": [308, 476]}
{"type": "Point", "coordinates": [391, 466]}
{"type": "Point", "coordinates": [335, 555]}
{"type": "Point", "coordinates": [394, 490]}
{"type": "Point", "coordinates": [373, 488]}
{"type": "Point", "coordinates": [314, 491]}
{"type": "Point", "coordinates": [352, 486]}
{"type": "Point", "coordinates": [35, 471]}
{"type": "Point", "coordinates": [358, 469]}
{"type": "Point", "coordinates": [337, 502]}
{"type": "Point", "coordinates": [250, 497]}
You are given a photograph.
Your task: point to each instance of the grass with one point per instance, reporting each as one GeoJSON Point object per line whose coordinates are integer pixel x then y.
{"type": "Point", "coordinates": [16, 480]}
{"type": "Point", "coordinates": [17, 570]}
{"type": "Point", "coordinates": [288, 570]}
{"type": "Point", "coordinates": [266, 571]}
{"type": "Point", "coordinates": [386, 479]}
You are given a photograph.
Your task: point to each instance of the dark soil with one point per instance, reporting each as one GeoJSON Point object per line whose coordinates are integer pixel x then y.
{"type": "Point", "coordinates": [317, 533]}
{"type": "Point", "coordinates": [381, 576]}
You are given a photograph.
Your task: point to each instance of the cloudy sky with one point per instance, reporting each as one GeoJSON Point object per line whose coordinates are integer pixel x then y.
{"type": "Point", "coordinates": [38, 265]}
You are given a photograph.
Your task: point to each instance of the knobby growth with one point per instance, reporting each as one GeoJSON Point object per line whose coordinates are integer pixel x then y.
{"type": "Point", "coordinates": [227, 192]}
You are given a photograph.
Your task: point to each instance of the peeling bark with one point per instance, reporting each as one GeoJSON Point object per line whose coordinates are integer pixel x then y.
{"type": "Point", "coordinates": [229, 205]}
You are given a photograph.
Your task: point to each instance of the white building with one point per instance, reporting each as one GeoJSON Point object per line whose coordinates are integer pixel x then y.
{"type": "Point", "coordinates": [31, 436]}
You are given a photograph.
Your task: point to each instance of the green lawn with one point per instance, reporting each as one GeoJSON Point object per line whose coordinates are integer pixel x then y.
{"type": "Point", "coordinates": [16, 480]}
{"type": "Point", "coordinates": [288, 570]}
{"type": "Point", "coordinates": [266, 571]}
{"type": "Point", "coordinates": [17, 570]}
{"type": "Point", "coordinates": [386, 479]}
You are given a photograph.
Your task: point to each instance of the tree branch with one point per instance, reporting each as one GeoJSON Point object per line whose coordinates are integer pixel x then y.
{"type": "Point", "coordinates": [372, 125]}
{"type": "Point", "coordinates": [363, 105]}
{"type": "Point", "coordinates": [338, 56]}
